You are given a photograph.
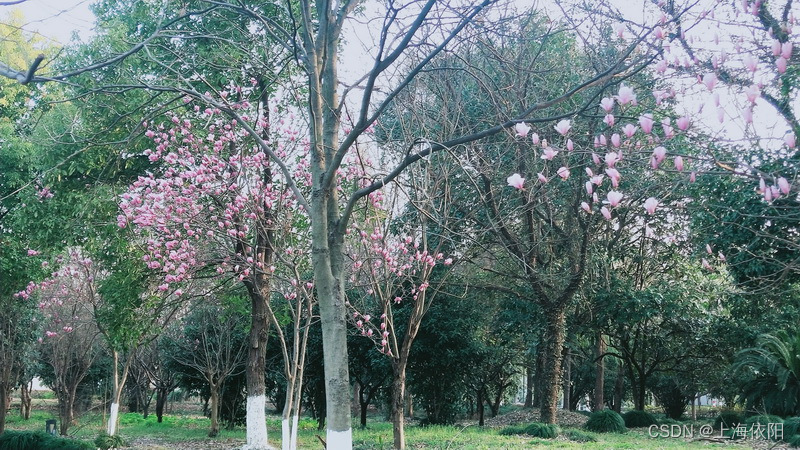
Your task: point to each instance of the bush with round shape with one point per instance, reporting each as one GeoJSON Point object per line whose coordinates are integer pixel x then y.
{"type": "Point", "coordinates": [637, 419]}
{"type": "Point", "coordinates": [727, 419]}
{"type": "Point", "coordinates": [606, 421]}
{"type": "Point", "coordinates": [542, 430]}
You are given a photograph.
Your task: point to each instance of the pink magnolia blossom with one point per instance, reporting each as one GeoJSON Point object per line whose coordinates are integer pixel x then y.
{"type": "Point", "coordinates": [585, 206]}
{"type": "Point", "coordinates": [776, 47]}
{"type": "Point", "coordinates": [614, 198]}
{"type": "Point", "coordinates": [563, 127]}
{"type": "Point", "coordinates": [753, 93]}
{"type": "Point", "coordinates": [549, 153]}
{"type": "Point", "coordinates": [683, 123]}
{"type": "Point", "coordinates": [679, 163]}
{"type": "Point", "coordinates": [786, 50]}
{"type": "Point", "coordinates": [626, 95]}
{"type": "Point", "coordinates": [708, 249]}
{"type": "Point", "coordinates": [706, 265]}
{"type": "Point", "coordinates": [589, 187]}
{"type": "Point", "coordinates": [693, 177]}
{"type": "Point", "coordinates": [747, 115]}
{"type": "Point", "coordinates": [570, 145]}
{"type": "Point", "coordinates": [781, 64]}
{"type": "Point", "coordinates": [650, 205]}
{"type": "Point", "coordinates": [595, 158]}
{"type": "Point", "coordinates": [615, 140]}
{"type": "Point", "coordinates": [789, 140]}
{"type": "Point", "coordinates": [629, 130]}
{"type": "Point", "coordinates": [605, 212]}
{"type": "Point", "coordinates": [535, 138]}
{"type": "Point", "coordinates": [607, 104]}
{"type": "Point", "coordinates": [710, 80]}
{"type": "Point", "coordinates": [611, 159]}
{"type": "Point", "coordinates": [516, 181]}
{"type": "Point", "coordinates": [522, 129]}
{"type": "Point", "coordinates": [750, 63]}
{"type": "Point", "coordinates": [783, 185]}
{"type": "Point", "coordinates": [614, 175]}
{"type": "Point", "coordinates": [609, 120]}
{"type": "Point", "coordinates": [563, 172]}
{"type": "Point", "coordinates": [646, 122]}
{"type": "Point", "coordinates": [659, 153]}
{"type": "Point", "coordinates": [542, 178]}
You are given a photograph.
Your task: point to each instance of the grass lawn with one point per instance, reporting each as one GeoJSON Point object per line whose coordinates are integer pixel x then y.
{"type": "Point", "coordinates": [189, 431]}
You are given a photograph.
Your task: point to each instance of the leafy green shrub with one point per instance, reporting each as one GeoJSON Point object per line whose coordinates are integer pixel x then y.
{"type": "Point", "coordinates": [762, 419]}
{"type": "Point", "coordinates": [542, 430]}
{"type": "Point", "coordinates": [727, 419]}
{"type": "Point", "coordinates": [794, 441]}
{"type": "Point", "coordinates": [791, 427]}
{"type": "Point", "coordinates": [512, 430]}
{"type": "Point", "coordinates": [39, 440]}
{"type": "Point", "coordinates": [606, 421]}
{"type": "Point", "coordinates": [579, 436]}
{"type": "Point", "coordinates": [636, 419]}
{"type": "Point", "coordinates": [105, 441]}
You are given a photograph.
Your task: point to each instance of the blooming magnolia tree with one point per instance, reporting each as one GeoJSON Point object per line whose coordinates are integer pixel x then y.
{"type": "Point", "coordinates": [72, 340]}
{"type": "Point", "coordinates": [389, 271]}
{"type": "Point", "coordinates": [214, 206]}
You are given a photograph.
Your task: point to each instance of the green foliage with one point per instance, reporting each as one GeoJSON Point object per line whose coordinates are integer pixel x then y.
{"type": "Point", "coordinates": [791, 427]}
{"type": "Point", "coordinates": [794, 441]}
{"type": "Point", "coordinates": [579, 436]}
{"type": "Point", "coordinates": [512, 430]}
{"type": "Point", "coordinates": [763, 419]}
{"type": "Point", "coordinates": [772, 369]}
{"type": "Point", "coordinates": [727, 419]}
{"type": "Point", "coordinates": [542, 430]}
{"type": "Point", "coordinates": [606, 421]}
{"type": "Point", "coordinates": [637, 418]}
{"type": "Point", "coordinates": [104, 441]}
{"type": "Point", "coordinates": [39, 440]}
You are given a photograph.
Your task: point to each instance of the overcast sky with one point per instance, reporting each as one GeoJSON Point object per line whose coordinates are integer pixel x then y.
{"type": "Point", "coordinates": [55, 19]}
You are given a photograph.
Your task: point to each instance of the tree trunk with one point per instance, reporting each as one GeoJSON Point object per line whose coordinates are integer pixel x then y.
{"type": "Point", "coordinates": [537, 385]}
{"type": "Point", "coordinates": [481, 408]}
{"type": "Point", "coordinates": [694, 410]}
{"type": "Point", "coordinates": [67, 409]}
{"type": "Point", "coordinates": [398, 404]}
{"type": "Point", "coordinates": [409, 405]}
{"type": "Point", "coordinates": [4, 404]}
{"type": "Point", "coordinates": [599, 373]}
{"type": "Point", "coordinates": [529, 368]}
{"type": "Point", "coordinates": [619, 388]}
{"type": "Point", "coordinates": [556, 320]}
{"type": "Point", "coordinates": [25, 400]}
{"type": "Point", "coordinates": [161, 400]}
{"type": "Point", "coordinates": [214, 431]}
{"type": "Point", "coordinates": [119, 384]}
{"type": "Point", "coordinates": [567, 376]}
{"type": "Point", "coordinates": [255, 373]}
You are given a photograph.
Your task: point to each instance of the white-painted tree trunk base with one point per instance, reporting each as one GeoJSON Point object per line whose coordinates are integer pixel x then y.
{"type": "Point", "coordinates": [256, 423]}
{"type": "Point", "coordinates": [293, 442]}
{"type": "Point", "coordinates": [340, 440]}
{"type": "Point", "coordinates": [286, 440]}
{"type": "Point", "coordinates": [111, 427]}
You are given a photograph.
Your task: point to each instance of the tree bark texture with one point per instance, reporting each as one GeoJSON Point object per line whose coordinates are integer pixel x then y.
{"type": "Point", "coordinates": [556, 320]}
